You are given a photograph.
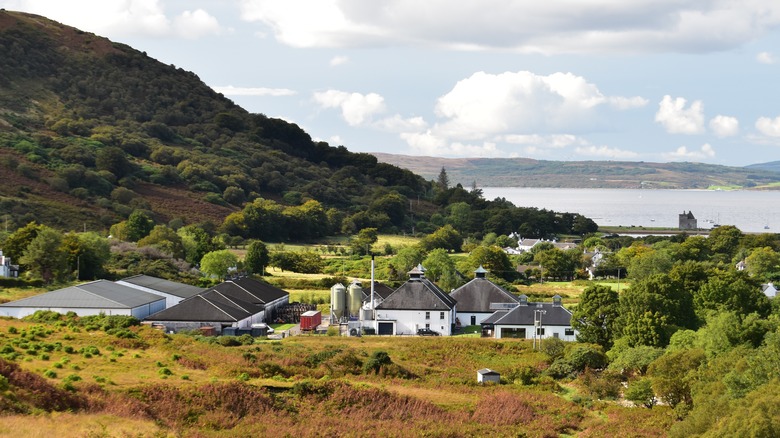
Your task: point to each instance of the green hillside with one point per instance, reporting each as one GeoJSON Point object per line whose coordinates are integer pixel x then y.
{"type": "Point", "coordinates": [91, 129]}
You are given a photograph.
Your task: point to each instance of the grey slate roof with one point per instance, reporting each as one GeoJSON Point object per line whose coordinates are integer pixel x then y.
{"type": "Point", "coordinates": [180, 290]}
{"type": "Point", "coordinates": [210, 306]}
{"type": "Point", "coordinates": [478, 294]}
{"type": "Point", "coordinates": [418, 294]}
{"type": "Point", "coordinates": [380, 289]}
{"type": "Point", "coordinates": [250, 290]}
{"type": "Point", "coordinates": [524, 315]}
{"type": "Point", "coordinates": [100, 294]}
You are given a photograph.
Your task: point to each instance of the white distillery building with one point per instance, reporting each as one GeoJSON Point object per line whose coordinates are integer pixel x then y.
{"type": "Point", "coordinates": [480, 298]}
{"type": "Point", "coordinates": [531, 321]}
{"type": "Point", "coordinates": [417, 304]}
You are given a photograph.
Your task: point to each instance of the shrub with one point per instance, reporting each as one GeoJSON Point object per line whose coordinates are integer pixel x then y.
{"type": "Point", "coordinates": [50, 374]}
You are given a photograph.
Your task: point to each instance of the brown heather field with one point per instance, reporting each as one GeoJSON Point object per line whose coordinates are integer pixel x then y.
{"type": "Point", "coordinates": [76, 382]}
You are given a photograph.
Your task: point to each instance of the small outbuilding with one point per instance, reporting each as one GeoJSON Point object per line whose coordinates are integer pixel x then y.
{"type": "Point", "coordinates": [488, 375]}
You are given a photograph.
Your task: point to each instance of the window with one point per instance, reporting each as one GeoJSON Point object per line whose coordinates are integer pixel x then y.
{"type": "Point", "coordinates": [427, 315]}
{"type": "Point", "coordinates": [540, 331]}
{"type": "Point", "coordinates": [428, 326]}
{"type": "Point", "coordinates": [568, 332]}
{"type": "Point", "coordinates": [556, 335]}
{"type": "Point", "coordinates": [510, 332]}
{"type": "Point", "coordinates": [441, 315]}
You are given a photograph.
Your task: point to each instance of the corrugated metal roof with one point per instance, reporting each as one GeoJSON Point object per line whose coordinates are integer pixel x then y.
{"type": "Point", "coordinates": [159, 284]}
{"type": "Point", "coordinates": [251, 290]}
{"type": "Point", "coordinates": [100, 294]}
{"type": "Point", "coordinates": [210, 306]}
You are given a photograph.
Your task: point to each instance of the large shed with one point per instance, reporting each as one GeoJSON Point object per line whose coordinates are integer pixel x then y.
{"type": "Point", "coordinates": [94, 298]}
{"type": "Point", "coordinates": [173, 292]}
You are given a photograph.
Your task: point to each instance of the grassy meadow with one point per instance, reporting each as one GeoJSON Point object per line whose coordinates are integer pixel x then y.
{"type": "Point", "coordinates": [154, 384]}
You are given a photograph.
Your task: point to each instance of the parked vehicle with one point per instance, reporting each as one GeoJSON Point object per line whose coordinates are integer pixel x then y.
{"type": "Point", "coordinates": [427, 332]}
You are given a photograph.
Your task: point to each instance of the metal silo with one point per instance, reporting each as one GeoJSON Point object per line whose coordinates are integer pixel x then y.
{"type": "Point", "coordinates": [338, 301]}
{"type": "Point", "coordinates": [355, 298]}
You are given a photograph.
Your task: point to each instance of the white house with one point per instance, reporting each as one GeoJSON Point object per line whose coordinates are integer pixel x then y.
{"type": "Point", "coordinates": [769, 290]}
{"type": "Point", "coordinates": [480, 298]}
{"type": "Point", "coordinates": [6, 268]}
{"type": "Point", "coordinates": [527, 320]}
{"type": "Point", "coordinates": [417, 304]}
{"type": "Point", "coordinates": [86, 299]}
{"type": "Point", "coordinates": [173, 292]}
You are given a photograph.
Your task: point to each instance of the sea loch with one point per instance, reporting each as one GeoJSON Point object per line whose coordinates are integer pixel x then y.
{"type": "Point", "coordinates": [750, 211]}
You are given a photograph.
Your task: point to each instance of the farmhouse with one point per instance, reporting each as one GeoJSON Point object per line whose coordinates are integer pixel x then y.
{"type": "Point", "coordinates": [172, 291]}
{"type": "Point", "coordinates": [417, 304]}
{"type": "Point", "coordinates": [480, 298]}
{"type": "Point", "coordinates": [94, 298]}
{"type": "Point", "coordinates": [549, 319]}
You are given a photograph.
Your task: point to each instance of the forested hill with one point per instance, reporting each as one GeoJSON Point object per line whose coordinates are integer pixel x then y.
{"type": "Point", "coordinates": [91, 129]}
{"type": "Point", "coordinates": [524, 172]}
{"type": "Point", "coordinates": [93, 132]}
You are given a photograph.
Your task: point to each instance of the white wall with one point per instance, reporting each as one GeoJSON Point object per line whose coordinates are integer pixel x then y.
{"type": "Point", "coordinates": [21, 312]}
{"type": "Point", "coordinates": [549, 332]}
{"type": "Point", "coordinates": [408, 321]}
{"type": "Point", "coordinates": [465, 318]}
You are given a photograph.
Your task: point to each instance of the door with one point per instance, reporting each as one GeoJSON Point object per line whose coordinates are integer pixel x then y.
{"type": "Point", "coordinates": [385, 328]}
{"type": "Point", "coordinates": [473, 319]}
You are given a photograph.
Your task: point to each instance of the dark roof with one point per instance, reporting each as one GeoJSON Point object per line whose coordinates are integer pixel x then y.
{"type": "Point", "coordinates": [418, 294]}
{"type": "Point", "coordinates": [478, 294]}
{"type": "Point", "coordinates": [210, 306]}
{"type": "Point", "coordinates": [382, 290]}
{"type": "Point", "coordinates": [555, 314]}
{"type": "Point", "coordinates": [166, 286]}
{"type": "Point", "coordinates": [250, 290]}
{"type": "Point", "coordinates": [100, 294]}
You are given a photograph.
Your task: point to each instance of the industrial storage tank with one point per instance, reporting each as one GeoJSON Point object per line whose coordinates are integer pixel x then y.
{"type": "Point", "coordinates": [338, 300]}
{"type": "Point", "coordinates": [355, 298]}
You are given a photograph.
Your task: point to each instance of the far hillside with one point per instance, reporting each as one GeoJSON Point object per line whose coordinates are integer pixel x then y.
{"type": "Point", "coordinates": [526, 172]}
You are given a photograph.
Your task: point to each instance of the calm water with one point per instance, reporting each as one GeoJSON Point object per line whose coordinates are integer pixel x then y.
{"type": "Point", "coordinates": [750, 211]}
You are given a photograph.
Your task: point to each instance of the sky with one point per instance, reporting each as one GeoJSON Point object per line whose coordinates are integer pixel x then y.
{"type": "Point", "coordinates": [640, 80]}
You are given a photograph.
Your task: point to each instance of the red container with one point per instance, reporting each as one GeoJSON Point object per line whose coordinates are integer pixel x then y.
{"type": "Point", "coordinates": [310, 320]}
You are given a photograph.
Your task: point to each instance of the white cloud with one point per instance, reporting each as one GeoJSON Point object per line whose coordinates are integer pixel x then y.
{"type": "Point", "coordinates": [356, 108]}
{"type": "Point", "coordinates": [118, 19]}
{"type": "Point", "coordinates": [564, 26]}
{"type": "Point", "coordinates": [338, 60]}
{"type": "Point", "coordinates": [769, 127]}
{"type": "Point", "coordinates": [487, 104]}
{"type": "Point", "coordinates": [605, 152]}
{"type": "Point", "coordinates": [624, 103]}
{"type": "Point", "coordinates": [397, 123]}
{"type": "Point", "coordinates": [724, 126]}
{"type": "Point", "coordinates": [766, 58]}
{"type": "Point", "coordinates": [194, 24]}
{"type": "Point", "coordinates": [683, 154]}
{"type": "Point", "coordinates": [257, 91]}
{"type": "Point", "coordinates": [676, 119]}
